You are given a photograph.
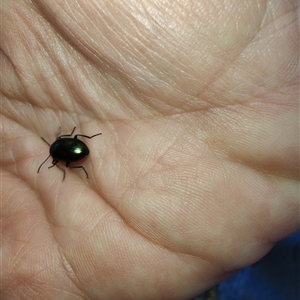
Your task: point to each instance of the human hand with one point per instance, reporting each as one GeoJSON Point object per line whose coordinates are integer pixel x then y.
{"type": "Point", "coordinates": [196, 173]}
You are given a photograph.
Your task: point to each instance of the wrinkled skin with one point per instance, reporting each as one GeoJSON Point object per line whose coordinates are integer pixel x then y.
{"type": "Point", "coordinates": [196, 173]}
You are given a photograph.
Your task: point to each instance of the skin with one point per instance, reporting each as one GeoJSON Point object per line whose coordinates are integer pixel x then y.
{"type": "Point", "coordinates": [196, 174]}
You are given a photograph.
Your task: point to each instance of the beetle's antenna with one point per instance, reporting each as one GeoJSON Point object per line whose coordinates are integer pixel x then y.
{"type": "Point", "coordinates": [42, 163]}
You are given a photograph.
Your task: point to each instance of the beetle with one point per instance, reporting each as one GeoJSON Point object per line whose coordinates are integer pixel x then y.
{"type": "Point", "coordinates": [68, 149]}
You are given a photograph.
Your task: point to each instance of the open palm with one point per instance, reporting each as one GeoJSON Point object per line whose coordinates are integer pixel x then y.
{"type": "Point", "coordinates": [196, 172]}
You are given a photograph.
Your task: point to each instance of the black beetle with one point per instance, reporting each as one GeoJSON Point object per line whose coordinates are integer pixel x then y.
{"type": "Point", "coordinates": [68, 149]}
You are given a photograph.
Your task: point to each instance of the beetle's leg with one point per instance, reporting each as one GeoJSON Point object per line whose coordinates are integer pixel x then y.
{"type": "Point", "coordinates": [81, 167]}
{"type": "Point", "coordinates": [45, 140]}
{"type": "Point", "coordinates": [42, 163]}
{"type": "Point", "coordinates": [78, 167]}
{"type": "Point", "coordinates": [89, 137]}
{"type": "Point", "coordinates": [54, 163]}
{"type": "Point", "coordinates": [64, 135]}
{"type": "Point", "coordinates": [63, 170]}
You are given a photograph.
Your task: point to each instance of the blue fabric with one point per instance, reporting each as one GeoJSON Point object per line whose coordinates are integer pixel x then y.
{"type": "Point", "coordinates": [274, 277]}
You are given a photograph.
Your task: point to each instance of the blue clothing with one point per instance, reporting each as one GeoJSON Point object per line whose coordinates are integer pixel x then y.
{"type": "Point", "coordinates": [275, 277]}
